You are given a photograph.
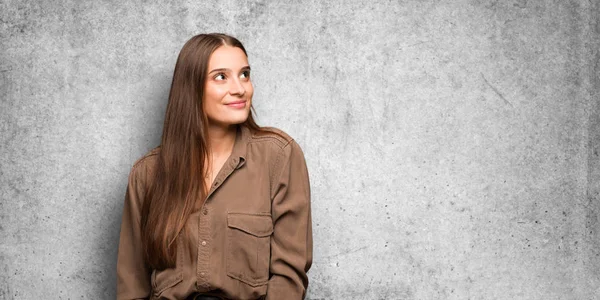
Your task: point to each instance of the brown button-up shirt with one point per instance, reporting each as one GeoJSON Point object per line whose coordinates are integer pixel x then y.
{"type": "Point", "coordinates": [252, 237]}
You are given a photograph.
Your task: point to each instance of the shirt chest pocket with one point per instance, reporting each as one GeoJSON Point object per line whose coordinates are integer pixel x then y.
{"type": "Point", "coordinates": [248, 247]}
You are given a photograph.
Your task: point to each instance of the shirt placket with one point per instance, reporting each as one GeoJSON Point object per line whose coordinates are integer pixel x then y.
{"type": "Point", "coordinates": [204, 241]}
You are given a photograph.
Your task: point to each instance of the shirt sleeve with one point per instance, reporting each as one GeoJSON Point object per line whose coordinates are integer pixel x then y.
{"type": "Point", "coordinates": [291, 242]}
{"type": "Point", "coordinates": [133, 276]}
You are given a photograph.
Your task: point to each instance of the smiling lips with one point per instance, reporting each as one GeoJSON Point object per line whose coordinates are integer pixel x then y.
{"type": "Point", "coordinates": [237, 104]}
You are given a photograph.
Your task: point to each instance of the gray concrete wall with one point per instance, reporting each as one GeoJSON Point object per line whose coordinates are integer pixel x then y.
{"type": "Point", "coordinates": [452, 145]}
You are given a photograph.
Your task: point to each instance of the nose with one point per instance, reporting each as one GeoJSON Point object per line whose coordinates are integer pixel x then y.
{"type": "Point", "coordinates": [237, 88]}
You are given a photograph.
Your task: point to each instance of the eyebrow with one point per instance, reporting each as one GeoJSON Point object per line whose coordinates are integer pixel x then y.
{"type": "Point", "coordinates": [226, 69]}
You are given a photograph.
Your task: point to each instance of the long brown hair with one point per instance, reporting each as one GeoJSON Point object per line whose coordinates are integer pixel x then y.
{"type": "Point", "coordinates": [180, 169]}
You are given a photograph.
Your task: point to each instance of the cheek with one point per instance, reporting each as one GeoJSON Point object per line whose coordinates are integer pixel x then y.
{"type": "Point", "coordinates": [214, 95]}
{"type": "Point", "coordinates": [250, 91]}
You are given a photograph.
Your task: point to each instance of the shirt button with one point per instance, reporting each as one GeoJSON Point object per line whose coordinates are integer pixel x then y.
{"type": "Point", "coordinates": [203, 243]}
{"type": "Point", "coordinates": [205, 211]}
{"type": "Point", "coordinates": [201, 273]}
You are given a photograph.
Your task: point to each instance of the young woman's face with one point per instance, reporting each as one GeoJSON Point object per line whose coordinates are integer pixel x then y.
{"type": "Point", "coordinates": [228, 89]}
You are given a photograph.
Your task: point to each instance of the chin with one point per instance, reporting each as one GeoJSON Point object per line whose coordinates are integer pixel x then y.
{"type": "Point", "coordinates": [230, 118]}
{"type": "Point", "coordinates": [238, 120]}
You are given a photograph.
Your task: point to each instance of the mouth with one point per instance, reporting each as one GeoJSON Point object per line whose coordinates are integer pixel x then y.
{"type": "Point", "coordinates": [237, 104]}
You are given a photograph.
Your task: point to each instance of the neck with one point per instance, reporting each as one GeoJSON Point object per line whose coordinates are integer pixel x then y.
{"type": "Point", "coordinates": [221, 139]}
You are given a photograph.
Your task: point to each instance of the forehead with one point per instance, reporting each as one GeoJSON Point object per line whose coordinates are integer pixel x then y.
{"type": "Point", "coordinates": [227, 57]}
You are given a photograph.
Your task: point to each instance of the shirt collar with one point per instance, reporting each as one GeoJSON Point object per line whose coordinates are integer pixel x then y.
{"type": "Point", "coordinates": [239, 147]}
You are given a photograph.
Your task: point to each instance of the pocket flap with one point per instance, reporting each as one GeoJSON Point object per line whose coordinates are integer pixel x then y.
{"type": "Point", "coordinates": [257, 225]}
{"type": "Point", "coordinates": [162, 286]}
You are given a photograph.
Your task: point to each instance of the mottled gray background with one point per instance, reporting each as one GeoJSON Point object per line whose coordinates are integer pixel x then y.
{"type": "Point", "coordinates": [452, 145]}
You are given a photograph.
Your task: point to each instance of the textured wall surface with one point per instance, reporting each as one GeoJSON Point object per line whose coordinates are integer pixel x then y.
{"type": "Point", "coordinates": [453, 146]}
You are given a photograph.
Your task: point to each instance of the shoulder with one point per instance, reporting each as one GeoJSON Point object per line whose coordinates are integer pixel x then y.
{"type": "Point", "coordinates": [152, 154]}
{"type": "Point", "coordinates": [271, 135]}
{"type": "Point", "coordinates": [281, 145]}
{"type": "Point", "coordinates": [144, 166]}
{"type": "Point", "coordinates": [276, 145]}
{"type": "Point", "coordinates": [147, 159]}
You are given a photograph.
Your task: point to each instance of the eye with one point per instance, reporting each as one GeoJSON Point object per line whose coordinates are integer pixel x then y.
{"type": "Point", "coordinates": [219, 76]}
{"type": "Point", "coordinates": [246, 74]}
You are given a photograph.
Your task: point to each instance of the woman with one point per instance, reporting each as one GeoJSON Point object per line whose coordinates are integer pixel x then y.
{"type": "Point", "coordinates": [221, 209]}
